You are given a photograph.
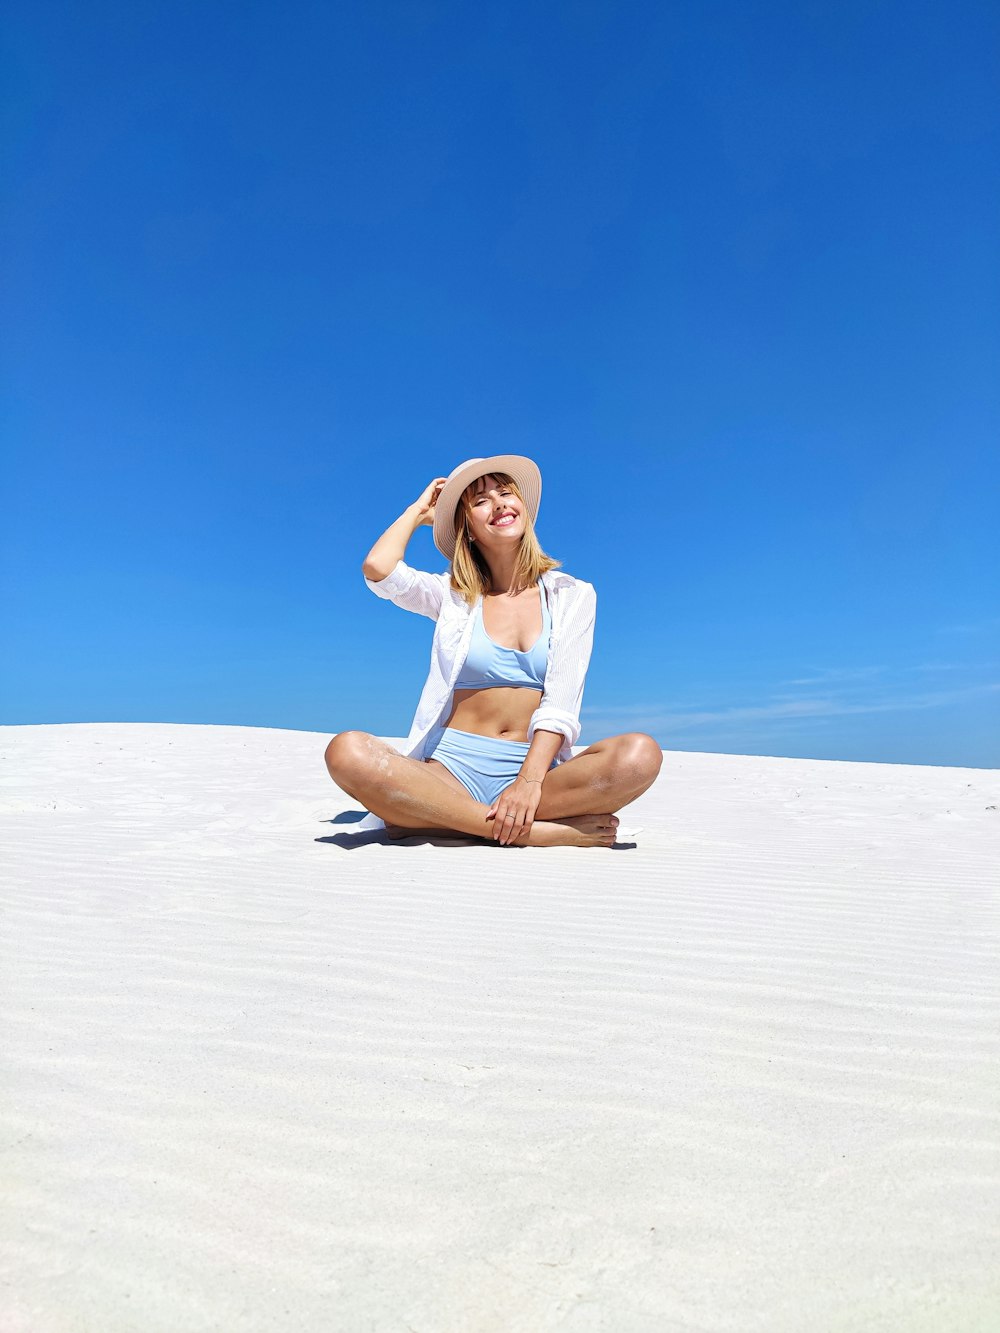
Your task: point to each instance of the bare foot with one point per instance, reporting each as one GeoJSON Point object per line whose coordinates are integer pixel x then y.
{"type": "Point", "coordinates": [579, 831]}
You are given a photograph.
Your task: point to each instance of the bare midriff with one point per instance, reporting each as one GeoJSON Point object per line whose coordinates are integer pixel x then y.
{"type": "Point", "coordinates": [502, 711]}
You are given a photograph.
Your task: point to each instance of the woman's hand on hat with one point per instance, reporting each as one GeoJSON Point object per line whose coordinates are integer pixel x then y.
{"type": "Point", "coordinates": [514, 809]}
{"type": "Point", "coordinates": [425, 505]}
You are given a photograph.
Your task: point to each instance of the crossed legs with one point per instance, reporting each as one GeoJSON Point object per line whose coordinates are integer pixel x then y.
{"type": "Point", "coordinates": [576, 808]}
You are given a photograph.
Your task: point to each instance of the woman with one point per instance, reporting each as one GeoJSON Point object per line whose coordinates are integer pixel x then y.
{"type": "Point", "coordinates": [489, 750]}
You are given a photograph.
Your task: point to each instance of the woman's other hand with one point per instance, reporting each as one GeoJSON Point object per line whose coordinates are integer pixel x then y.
{"type": "Point", "coordinates": [514, 809]}
{"type": "Point", "coordinates": [425, 505]}
{"type": "Point", "coordinates": [390, 548]}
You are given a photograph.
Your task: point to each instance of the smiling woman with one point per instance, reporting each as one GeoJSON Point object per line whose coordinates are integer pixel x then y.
{"type": "Point", "coordinates": [490, 749]}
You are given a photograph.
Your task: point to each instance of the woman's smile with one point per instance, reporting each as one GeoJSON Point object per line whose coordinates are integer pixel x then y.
{"type": "Point", "coordinates": [495, 508]}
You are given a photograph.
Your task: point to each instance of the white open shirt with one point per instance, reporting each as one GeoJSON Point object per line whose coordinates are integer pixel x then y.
{"type": "Point", "coordinates": [573, 606]}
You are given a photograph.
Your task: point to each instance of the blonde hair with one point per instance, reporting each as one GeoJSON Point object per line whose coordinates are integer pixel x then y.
{"type": "Point", "coordinates": [470, 574]}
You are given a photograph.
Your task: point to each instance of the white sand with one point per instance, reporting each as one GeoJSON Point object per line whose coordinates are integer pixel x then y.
{"type": "Point", "coordinates": [741, 1077]}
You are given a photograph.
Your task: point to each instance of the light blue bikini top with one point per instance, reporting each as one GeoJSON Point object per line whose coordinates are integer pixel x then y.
{"type": "Point", "coordinates": [488, 664]}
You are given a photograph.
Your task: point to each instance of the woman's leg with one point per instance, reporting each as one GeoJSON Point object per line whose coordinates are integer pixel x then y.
{"type": "Point", "coordinates": [406, 792]}
{"type": "Point", "coordinates": [605, 776]}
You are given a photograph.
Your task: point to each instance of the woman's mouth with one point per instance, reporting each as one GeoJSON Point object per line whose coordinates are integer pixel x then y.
{"type": "Point", "coordinates": [504, 521]}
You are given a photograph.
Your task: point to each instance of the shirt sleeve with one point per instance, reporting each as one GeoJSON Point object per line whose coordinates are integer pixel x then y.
{"type": "Point", "coordinates": [559, 709]}
{"type": "Point", "coordinates": [412, 589]}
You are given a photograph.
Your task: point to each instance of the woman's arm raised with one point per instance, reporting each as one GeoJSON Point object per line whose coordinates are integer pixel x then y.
{"type": "Point", "coordinates": [387, 552]}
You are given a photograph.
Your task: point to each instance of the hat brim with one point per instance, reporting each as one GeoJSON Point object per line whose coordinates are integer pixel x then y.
{"type": "Point", "coordinates": [524, 472]}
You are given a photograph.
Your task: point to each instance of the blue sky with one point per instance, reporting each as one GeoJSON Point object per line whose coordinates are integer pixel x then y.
{"type": "Point", "coordinates": [729, 272]}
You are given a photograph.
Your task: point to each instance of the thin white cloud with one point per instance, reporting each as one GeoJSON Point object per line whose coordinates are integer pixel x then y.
{"type": "Point", "coordinates": [651, 716]}
{"type": "Point", "coordinates": [836, 675]}
{"type": "Point", "coordinates": [953, 666]}
{"type": "Point", "coordinates": [973, 627]}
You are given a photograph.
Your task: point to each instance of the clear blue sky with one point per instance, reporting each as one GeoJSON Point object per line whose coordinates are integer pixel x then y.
{"type": "Point", "coordinates": [728, 271]}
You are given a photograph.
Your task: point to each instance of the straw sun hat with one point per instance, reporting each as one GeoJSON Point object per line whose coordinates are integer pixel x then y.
{"type": "Point", "coordinates": [523, 470]}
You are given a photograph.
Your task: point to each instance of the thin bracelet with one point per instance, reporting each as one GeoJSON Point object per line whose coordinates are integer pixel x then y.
{"type": "Point", "coordinates": [524, 779]}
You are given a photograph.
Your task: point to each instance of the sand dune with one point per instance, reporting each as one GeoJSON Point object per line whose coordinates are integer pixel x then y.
{"type": "Point", "coordinates": [259, 1074]}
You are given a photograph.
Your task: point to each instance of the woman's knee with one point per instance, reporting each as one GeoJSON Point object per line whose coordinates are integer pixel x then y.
{"type": "Point", "coordinates": [638, 756]}
{"type": "Point", "coordinates": [346, 754]}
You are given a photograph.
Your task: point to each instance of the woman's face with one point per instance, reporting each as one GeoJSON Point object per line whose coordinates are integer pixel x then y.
{"type": "Point", "coordinates": [496, 514]}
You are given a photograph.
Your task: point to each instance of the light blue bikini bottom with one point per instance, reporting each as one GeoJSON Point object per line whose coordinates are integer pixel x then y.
{"type": "Point", "coordinates": [484, 765]}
